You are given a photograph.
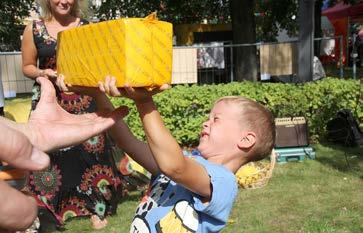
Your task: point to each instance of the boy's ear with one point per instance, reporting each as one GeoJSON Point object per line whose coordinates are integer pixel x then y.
{"type": "Point", "coordinates": [247, 140]}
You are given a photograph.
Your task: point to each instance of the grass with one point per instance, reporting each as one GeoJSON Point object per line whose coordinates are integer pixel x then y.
{"type": "Point", "coordinates": [322, 195]}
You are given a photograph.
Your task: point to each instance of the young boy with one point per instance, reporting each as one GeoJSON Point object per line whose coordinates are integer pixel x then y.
{"type": "Point", "coordinates": [193, 194]}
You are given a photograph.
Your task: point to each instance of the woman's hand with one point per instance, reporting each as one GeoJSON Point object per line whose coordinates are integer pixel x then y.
{"type": "Point", "coordinates": [52, 76]}
{"type": "Point", "coordinates": [48, 73]}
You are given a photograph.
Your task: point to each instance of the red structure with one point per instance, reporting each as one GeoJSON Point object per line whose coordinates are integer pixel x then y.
{"type": "Point", "coordinates": [340, 16]}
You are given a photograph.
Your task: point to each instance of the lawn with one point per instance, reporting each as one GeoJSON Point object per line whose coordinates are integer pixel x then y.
{"type": "Point", "coordinates": [322, 195]}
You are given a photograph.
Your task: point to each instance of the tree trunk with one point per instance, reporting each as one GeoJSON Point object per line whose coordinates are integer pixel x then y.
{"type": "Point", "coordinates": [317, 26]}
{"type": "Point", "coordinates": [306, 41]}
{"type": "Point", "coordinates": [244, 31]}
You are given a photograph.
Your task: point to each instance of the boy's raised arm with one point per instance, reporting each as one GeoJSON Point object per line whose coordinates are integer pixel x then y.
{"type": "Point", "coordinates": [136, 149]}
{"type": "Point", "coordinates": [167, 152]}
{"type": "Point", "coordinates": [164, 148]}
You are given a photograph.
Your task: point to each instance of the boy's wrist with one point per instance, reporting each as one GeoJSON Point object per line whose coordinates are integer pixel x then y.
{"type": "Point", "coordinates": [146, 101]}
{"type": "Point", "coordinates": [145, 106]}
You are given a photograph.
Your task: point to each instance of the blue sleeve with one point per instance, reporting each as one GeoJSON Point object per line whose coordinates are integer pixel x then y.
{"type": "Point", "coordinates": [224, 191]}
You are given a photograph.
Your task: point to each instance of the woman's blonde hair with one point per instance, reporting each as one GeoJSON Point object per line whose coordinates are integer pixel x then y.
{"type": "Point", "coordinates": [79, 9]}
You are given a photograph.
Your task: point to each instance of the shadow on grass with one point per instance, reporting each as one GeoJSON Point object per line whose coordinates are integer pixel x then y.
{"type": "Point", "coordinates": [342, 158]}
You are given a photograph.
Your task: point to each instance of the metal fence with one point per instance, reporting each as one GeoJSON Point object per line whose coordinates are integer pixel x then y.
{"type": "Point", "coordinates": [209, 63]}
{"type": "Point", "coordinates": [275, 60]}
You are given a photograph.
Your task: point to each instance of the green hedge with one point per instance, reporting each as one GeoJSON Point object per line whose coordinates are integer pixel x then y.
{"type": "Point", "coordinates": [184, 107]}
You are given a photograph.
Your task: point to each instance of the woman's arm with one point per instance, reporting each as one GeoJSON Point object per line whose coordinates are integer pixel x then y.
{"type": "Point", "coordinates": [29, 56]}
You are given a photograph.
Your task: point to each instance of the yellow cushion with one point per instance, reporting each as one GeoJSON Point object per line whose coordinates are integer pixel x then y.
{"type": "Point", "coordinates": [18, 109]}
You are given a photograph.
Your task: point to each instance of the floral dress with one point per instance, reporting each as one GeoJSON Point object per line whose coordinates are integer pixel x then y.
{"type": "Point", "coordinates": [82, 180]}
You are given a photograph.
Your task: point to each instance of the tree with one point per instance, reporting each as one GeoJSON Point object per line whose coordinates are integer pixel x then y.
{"type": "Point", "coordinates": [12, 12]}
{"type": "Point", "coordinates": [244, 32]}
{"type": "Point", "coordinates": [252, 20]}
{"type": "Point", "coordinates": [179, 12]}
{"type": "Point", "coordinates": [272, 16]}
{"type": "Point", "coordinates": [176, 12]}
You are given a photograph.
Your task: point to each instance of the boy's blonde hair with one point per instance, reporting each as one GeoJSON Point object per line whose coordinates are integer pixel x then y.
{"type": "Point", "coordinates": [79, 9]}
{"type": "Point", "coordinates": [255, 117]}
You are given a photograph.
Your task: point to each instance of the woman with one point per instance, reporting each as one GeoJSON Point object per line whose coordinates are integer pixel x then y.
{"type": "Point", "coordinates": [82, 180]}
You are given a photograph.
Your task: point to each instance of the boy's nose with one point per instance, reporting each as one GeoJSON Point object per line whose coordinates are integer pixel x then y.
{"type": "Point", "coordinates": [205, 124]}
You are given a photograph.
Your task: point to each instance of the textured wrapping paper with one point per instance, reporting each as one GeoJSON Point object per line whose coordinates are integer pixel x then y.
{"type": "Point", "coordinates": [137, 51]}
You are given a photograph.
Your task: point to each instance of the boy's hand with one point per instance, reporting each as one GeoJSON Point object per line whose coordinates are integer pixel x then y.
{"type": "Point", "coordinates": [139, 94]}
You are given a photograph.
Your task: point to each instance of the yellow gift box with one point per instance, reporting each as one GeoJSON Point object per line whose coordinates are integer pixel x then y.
{"type": "Point", "coordinates": [137, 51]}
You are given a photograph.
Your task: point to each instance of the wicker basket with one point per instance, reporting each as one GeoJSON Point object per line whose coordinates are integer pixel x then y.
{"type": "Point", "coordinates": [258, 173]}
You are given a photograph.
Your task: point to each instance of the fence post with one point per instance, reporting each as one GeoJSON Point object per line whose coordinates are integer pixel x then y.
{"type": "Point", "coordinates": [232, 71]}
{"type": "Point", "coordinates": [354, 56]}
{"type": "Point", "coordinates": [341, 56]}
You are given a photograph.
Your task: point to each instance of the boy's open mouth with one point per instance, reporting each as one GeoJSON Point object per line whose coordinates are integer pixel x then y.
{"type": "Point", "coordinates": [202, 134]}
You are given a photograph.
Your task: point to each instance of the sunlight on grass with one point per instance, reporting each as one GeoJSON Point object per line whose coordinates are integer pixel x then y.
{"type": "Point", "coordinates": [322, 195]}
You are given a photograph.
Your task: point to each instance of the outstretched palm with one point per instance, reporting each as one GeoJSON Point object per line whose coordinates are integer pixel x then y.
{"type": "Point", "coordinates": [52, 127]}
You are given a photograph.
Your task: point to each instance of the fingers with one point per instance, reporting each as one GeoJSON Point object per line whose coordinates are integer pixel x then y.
{"type": "Point", "coordinates": [164, 87]}
{"type": "Point", "coordinates": [101, 86]}
{"type": "Point", "coordinates": [109, 86]}
{"type": "Point", "coordinates": [17, 211]}
{"type": "Point", "coordinates": [60, 83]}
{"type": "Point", "coordinates": [17, 150]}
{"type": "Point", "coordinates": [112, 87]}
{"type": "Point", "coordinates": [50, 73]}
{"type": "Point", "coordinates": [89, 125]}
{"type": "Point", "coordinates": [130, 91]}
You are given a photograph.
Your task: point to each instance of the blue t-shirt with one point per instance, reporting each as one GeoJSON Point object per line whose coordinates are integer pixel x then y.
{"type": "Point", "coordinates": [169, 207]}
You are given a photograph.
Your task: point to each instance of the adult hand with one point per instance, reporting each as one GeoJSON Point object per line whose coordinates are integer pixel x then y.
{"type": "Point", "coordinates": [49, 74]}
{"type": "Point", "coordinates": [52, 127]}
{"type": "Point", "coordinates": [18, 211]}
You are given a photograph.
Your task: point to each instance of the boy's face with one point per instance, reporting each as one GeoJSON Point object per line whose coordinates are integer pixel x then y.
{"type": "Point", "coordinates": [222, 131]}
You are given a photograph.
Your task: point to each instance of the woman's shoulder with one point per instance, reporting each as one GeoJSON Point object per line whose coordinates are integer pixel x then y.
{"type": "Point", "coordinates": [33, 25]}
{"type": "Point", "coordinates": [37, 23]}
